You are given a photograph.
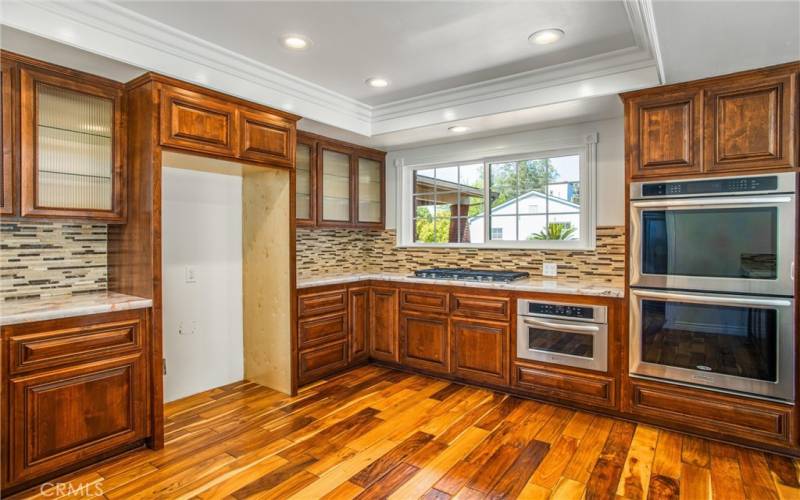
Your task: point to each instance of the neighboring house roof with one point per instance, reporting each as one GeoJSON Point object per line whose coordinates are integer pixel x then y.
{"type": "Point", "coordinates": [525, 197]}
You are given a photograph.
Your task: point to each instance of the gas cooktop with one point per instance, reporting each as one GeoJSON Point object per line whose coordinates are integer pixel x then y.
{"type": "Point", "coordinates": [460, 274]}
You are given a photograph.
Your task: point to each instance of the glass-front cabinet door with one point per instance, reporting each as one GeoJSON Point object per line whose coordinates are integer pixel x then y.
{"type": "Point", "coordinates": [6, 139]}
{"type": "Point", "coordinates": [305, 168]}
{"type": "Point", "coordinates": [369, 209]}
{"type": "Point", "coordinates": [71, 152]}
{"type": "Point", "coordinates": [336, 190]}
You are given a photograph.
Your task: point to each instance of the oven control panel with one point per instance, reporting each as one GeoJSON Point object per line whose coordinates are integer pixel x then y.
{"type": "Point", "coordinates": [711, 186]}
{"type": "Point", "coordinates": [574, 312]}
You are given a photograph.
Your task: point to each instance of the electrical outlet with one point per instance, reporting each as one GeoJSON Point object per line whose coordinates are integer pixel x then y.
{"type": "Point", "coordinates": [189, 274]}
{"type": "Point", "coordinates": [549, 269]}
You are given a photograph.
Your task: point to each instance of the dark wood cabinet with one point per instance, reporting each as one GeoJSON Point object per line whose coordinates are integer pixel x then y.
{"type": "Point", "coordinates": [481, 307]}
{"type": "Point", "coordinates": [321, 329]}
{"type": "Point", "coordinates": [665, 134]}
{"type": "Point", "coordinates": [425, 342]}
{"type": "Point", "coordinates": [358, 316]}
{"type": "Point", "coordinates": [7, 137]}
{"type": "Point", "coordinates": [425, 301]}
{"type": "Point", "coordinates": [480, 351]}
{"type": "Point", "coordinates": [265, 137]}
{"type": "Point", "coordinates": [744, 122]}
{"type": "Point", "coordinates": [339, 184]}
{"type": "Point", "coordinates": [74, 390]}
{"type": "Point", "coordinates": [197, 122]}
{"type": "Point", "coordinates": [384, 324]}
{"type": "Point", "coordinates": [316, 303]}
{"type": "Point", "coordinates": [585, 389]}
{"type": "Point", "coordinates": [320, 361]}
{"type": "Point", "coordinates": [749, 123]}
{"type": "Point", "coordinates": [72, 145]}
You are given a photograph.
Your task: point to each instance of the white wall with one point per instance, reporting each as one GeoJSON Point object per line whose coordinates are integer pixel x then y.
{"type": "Point", "coordinates": [202, 228]}
{"type": "Point", "coordinates": [610, 161]}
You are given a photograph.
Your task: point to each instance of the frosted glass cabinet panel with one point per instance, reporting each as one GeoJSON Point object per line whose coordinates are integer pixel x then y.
{"type": "Point", "coordinates": [370, 186]}
{"type": "Point", "coordinates": [304, 169]}
{"type": "Point", "coordinates": [71, 157]}
{"type": "Point", "coordinates": [336, 187]}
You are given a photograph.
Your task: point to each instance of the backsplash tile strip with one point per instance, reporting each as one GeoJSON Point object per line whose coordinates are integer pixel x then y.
{"type": "Point", "coordinates": [336, 251]}
{"type": "Point", "coordinates": [43, 259]}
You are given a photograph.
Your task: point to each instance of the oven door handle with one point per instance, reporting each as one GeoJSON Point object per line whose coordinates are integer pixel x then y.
{"type": "Point", "coordinates": [710, 299]}
{"type": "Point", "coordinates": [561, 326]}
{"type": "Point", "coordinates": [706, 202]}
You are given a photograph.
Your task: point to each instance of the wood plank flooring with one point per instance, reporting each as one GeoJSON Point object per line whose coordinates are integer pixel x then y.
{"type": "Point", "coordinates": [379, 433]}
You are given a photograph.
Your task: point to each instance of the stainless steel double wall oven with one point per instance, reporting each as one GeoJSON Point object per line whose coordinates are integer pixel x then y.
{"type": "Point", "coordinates": [712, 282]}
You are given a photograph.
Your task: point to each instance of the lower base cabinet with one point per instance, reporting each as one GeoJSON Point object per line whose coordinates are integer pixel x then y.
{"type": "Point", "coordinates": [580, 388]}
{"type": "Point", "coordinates": [319, 361]}
{"type": "Point", "coordinates": [384, 324]}
{"type": "Point", "coordinates": [75, 390]}
{"type": "Point", "coordinates": [425, 342]}
{"type": "Point", "coordinates": [480, 351]}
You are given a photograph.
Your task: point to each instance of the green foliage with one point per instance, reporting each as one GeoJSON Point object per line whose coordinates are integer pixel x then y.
{"type": "Point", "coordinates": [511, 180]}
{"type": "Point", "coordinates": [555, 231]}
{"type": "Point", "coordinates": [425, 230]}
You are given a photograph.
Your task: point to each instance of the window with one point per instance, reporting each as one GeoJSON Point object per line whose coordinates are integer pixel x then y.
{"type": "Point", "coordinates": [537, 200]}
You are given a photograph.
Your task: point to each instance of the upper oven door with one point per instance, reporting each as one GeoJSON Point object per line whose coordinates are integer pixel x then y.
{"type": "Point", "coordinates": [742, 244]}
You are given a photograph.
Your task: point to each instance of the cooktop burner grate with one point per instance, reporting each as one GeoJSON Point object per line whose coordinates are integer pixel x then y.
{"type": "Point", "coordinates": [462, 274]}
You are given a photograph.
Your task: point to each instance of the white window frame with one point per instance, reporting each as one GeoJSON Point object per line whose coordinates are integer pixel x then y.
{"type": "Point", "coordinates": [588, 211]}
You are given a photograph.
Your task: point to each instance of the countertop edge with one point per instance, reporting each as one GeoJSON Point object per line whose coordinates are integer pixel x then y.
{"type": "Point", "coordinates": [75, 311]}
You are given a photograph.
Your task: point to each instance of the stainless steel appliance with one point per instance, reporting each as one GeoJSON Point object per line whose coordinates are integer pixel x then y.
{"type": "Point", "coordinates": [730, 342]}
{"type": "Point", "coordinates": [565, 334]}
{"type": "Point", "coordinates": [462, 274]}
{"type": "Point", "coordinates": [727, 234]}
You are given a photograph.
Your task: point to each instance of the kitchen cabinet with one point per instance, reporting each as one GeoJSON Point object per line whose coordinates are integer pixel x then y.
{"type": "Point", "coordinates": [739, 123]}
{"type": "Point", "coordinates": [72, 145]}
{"type": "Point", "coordinates": [384, 324]}
{"type": "Point", "coordinates": [322, 333]}
{"type": "Point", "coordinates": [320, 361]}
{"type": "Point", "coordinates": [7, 137]}
{"type": "Point", "coordinates": [358, 314]}
{"type": "Point", "coordinates": [425, 342]}
{"type": "Point", "coordinates": [74, 390]}
{"type": "Point", "coordinates": [581, 388]}
{"type": "Point", "coordinates": [339, 184]}
{"type": "Point", "coordinates": [480, 350]}
{"type": "Point", "coordinates": [265, 137]}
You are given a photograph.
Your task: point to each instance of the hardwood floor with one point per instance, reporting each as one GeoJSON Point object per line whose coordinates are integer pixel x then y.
{"type": "Point", "coordinates": [376, 433]}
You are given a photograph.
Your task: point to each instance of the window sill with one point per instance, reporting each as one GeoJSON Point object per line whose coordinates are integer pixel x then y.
{"type": "Point", "coordinates": [497, 246]}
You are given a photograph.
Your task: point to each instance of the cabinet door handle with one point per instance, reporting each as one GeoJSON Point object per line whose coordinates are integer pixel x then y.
{"type": "Point", "coordinates": [562, 327]}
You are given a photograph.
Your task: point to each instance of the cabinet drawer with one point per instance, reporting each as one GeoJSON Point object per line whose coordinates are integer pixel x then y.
{"type": "Point", "coordinates": [319, 361]}
{"type": "Point", "coordinates": [713, 413]}
{"type": "Point", "coordinates": [472, 306]}
{"type": "Point", "coordinates": [320, 303]}
{"type": "Point", "coordinates": [265, 137]}
{"type": "Point", "coordinates": [194, 121]}
{"type": "Point", "coordinates": [313, 331]}
{"type": "Point", "coordinates": [585, 389]}
{"type": "Point", "coordinates": [66, 416]}
{"type": "Point", "coordinates": [70, 345]}
{"type": "Point", "coordinates": [424, 301]}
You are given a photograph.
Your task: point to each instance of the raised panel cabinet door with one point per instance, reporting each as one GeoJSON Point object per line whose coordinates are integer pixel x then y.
{"type": "Point", "coordinates": [62, 417]}
{"type": "Point", "coordinates": [197, 122]}
{"type": "Point", "coordinates": [267, 138]}
{"type": "Point", "coordinates": [358, 317]}
{"type": "Point", "coordinates": [425, 342]}
{"type": "Point", "coordinates": [480, 351]}
{"type": "Point", "coordinates": [319, 361]}
{"type": "Point", "coordinates": [72, 141]}
{"type": "Point", "coordinates": [7, 138]}
{"type": "Point", "coordinates": [335, 185]}
{"type": "Point", "coordinates": [749, 124]}
{"type": "Point", "coordinates": [369, 191]}
{"type": "Point", "coordinates": [305, 182]}
{"type": "Point", "coordinates": [321, 329]}
{"type": "Point", "coordinates": [664, 134]}
{"type": "Point", "coordinates": [384, 324]}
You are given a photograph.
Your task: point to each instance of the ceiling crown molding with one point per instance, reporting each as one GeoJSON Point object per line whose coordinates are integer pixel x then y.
{"type": "Point", "coordinates": [107, 29]}
{"type": "Point", "coordinates": [113, 31]}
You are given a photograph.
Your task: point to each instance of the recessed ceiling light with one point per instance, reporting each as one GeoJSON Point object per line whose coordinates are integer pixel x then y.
{"type": "Point", "coordinates": [295, 42]}
{"type": "Point", "coordinates": [458, 128]}
{"type": "Point", "coordinates": [377, 82]}
{"type": "Point", "coordinates": [546, 36]}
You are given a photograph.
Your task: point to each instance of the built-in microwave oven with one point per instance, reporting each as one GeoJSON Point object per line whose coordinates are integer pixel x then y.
{"type": "Point", "coordinates": [728, 342]}
{"type": "Point", "coordinates": [726, 234]}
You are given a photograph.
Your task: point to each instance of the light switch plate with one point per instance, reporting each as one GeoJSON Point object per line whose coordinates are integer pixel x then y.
{"type": "Point", "coordinates": [549, 269]}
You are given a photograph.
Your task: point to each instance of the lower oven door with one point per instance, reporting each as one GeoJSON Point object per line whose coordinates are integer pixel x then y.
{"type": "Point", "coordinates": [569, 343]}
{"type": "Point", "coordinates": [732, 343]}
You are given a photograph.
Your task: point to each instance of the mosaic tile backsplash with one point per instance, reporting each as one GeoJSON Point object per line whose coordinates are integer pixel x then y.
{"type": "Point", "coordinates": [40, 259]}
{"type": "Point", "coordinates": [335, 251]}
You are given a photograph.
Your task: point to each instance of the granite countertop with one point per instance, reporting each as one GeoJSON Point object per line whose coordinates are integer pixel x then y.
{"type": "Point", "coordinates": [65, 306]}
{"type": "Point", "coordinates": [532, 284]}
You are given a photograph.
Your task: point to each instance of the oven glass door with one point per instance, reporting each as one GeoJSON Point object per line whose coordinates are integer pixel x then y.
{"type": "Point", "coordinates": [570, 343]}
{"type": "Point", "coordinates": [739, 344]}
{"type": "Point", "coordinates": [728, 245]}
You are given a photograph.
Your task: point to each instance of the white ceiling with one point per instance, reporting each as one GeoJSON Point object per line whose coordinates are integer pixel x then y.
{"type": "Point", "coordinates": [419, 47]}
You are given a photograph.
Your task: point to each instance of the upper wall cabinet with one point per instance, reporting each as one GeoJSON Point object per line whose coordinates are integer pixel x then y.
{"type": "Point", "coordinates": [7, 138]}
{"type": "Point", "coordinates": [72, 140]}
{"type": "Point", "coordinates": [221, 126]}
{"type": "Point", "coordinates": [742, 122]}
{"type": "Point", "coordinates": [343, 186]}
